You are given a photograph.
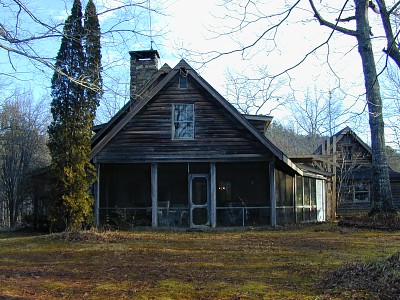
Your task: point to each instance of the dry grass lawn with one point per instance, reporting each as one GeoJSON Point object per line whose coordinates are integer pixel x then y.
{"type": "Point", "coordinates": [285, 263]}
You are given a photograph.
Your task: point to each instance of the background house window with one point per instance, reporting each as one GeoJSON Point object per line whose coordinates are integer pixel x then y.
{"type": "Point", "coordinates": [354, 192]}
{"type": "Point", "coordinates": [183, 121]}
{"type": "Point", "coordinates": [361, 192]}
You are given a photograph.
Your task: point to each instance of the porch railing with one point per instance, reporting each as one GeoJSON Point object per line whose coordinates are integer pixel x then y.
{"type": "Point", "coordinates": [126, 217]}
{"type": "Point", "coordinates": [129, 217]}
{"type": "Point", "coordinates": [243, 216]}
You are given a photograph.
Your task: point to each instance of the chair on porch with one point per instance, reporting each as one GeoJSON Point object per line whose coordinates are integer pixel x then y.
{"type": "Point", "coordinates": [178, 215]}
{"type": "Point", "coordinates": [163, 213]}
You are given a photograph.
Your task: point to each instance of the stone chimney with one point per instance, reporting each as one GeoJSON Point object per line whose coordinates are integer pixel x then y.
{"type": "Point", "coordinates": [144, 64]}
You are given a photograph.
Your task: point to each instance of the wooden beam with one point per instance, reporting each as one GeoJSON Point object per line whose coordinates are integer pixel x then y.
{"type": "Point", "coordinates": [334, 196]}
{"type": "Point", "coordinates": [272, 193]}
{"type": "Point", "coordinates": [154, 194]}
{"type": "Point", "coordinates": [97, 199]}
{"type": "Point", "coordinates": [213, 195]}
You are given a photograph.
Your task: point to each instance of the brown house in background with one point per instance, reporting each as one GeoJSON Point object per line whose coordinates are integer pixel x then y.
{"type": "Point", "coordinates": [353, 173]}
{"type": "Point", "coordinates": [179, 154]}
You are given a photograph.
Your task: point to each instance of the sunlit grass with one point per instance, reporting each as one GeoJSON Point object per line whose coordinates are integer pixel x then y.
{"type": "Point", "coordinates": [254, 264]}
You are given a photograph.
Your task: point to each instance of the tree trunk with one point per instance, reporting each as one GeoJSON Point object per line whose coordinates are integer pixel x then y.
{"type": "Point", "coordinates": [381, 191]}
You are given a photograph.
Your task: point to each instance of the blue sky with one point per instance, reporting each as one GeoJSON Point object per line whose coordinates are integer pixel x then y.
{"type": "Point", "coordinates": [192, 25]}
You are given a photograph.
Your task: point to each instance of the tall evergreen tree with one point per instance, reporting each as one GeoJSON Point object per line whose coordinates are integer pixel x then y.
{"type": "Point", "coordinates": [93, 67]}
{"type": "Point", "coordinates": [70, 131]}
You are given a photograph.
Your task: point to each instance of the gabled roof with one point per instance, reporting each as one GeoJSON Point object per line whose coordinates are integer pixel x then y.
{"type": "Point", "coordinates": [339, 136]}
{"type": "Point", "coordinates": [163, 76]}
{"type": "Point", "coordinates": [367, 172]}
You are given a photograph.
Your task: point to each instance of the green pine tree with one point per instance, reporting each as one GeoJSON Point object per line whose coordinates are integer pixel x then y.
{"type": "Point", "coordinates": [70, 131]}
{"type": "Point", "coordinates": [93, 57]}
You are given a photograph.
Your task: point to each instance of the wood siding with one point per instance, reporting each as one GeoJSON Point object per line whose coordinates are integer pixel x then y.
{"type": "Point", "coordinates": [395, 185]}
{"type": "Point", "coordinates": [350, 153]}
{"type": "Point", "coordinates": [218, 135]}
{"type": "Point", "coordinates": [354, 208]}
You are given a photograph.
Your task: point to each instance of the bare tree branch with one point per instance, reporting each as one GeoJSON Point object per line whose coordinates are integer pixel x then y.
{"type": "Point", "coordinates": [216, 55]}
{"type": "Point", "coordinates": [333, 26]}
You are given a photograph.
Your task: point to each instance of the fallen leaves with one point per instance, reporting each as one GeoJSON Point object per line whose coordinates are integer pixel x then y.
{"type": "Point", "coordinates": [283, 263]}
{"type": "Point", "coordinates": [378, 279]}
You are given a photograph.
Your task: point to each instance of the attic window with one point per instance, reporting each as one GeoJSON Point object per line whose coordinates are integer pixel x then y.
{"type": "Point", "coordinates": [183, 121]}
{"type": "Point", "coordinates": [183, 82]}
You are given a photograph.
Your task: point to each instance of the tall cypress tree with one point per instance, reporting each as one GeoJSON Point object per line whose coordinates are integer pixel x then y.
{"type": "Point", "coordinates": [93, 67]}
{"type": "Point", "coordinates": [70, 131]}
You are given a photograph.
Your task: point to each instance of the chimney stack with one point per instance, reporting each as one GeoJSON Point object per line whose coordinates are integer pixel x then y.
{"type": "Point", "coordinates": [144, 65]}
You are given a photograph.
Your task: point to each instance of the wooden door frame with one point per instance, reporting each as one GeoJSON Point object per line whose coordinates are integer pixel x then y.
{"type": "Point", "coordinates": [193, 206]}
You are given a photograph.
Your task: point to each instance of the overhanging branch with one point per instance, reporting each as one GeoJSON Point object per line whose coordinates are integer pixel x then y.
{"type": "Point", "coordinates": [333, 26]}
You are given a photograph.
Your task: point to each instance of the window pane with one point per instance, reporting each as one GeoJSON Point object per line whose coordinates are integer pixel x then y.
{"type": "Point", "coordinates": [361, 192]}
{"type": "Point", "coordinates": [299, 191]}
{"type": "Point", "coordinates": [183, 83]}
{"type": "Point", "coordinates": [183, 121]}
{"type": "Point", "coordinates": [183, 112]}
{"type": "Point", "coordinates": [307, 191]}
{"type": "Point", "coordinates": [184, 130]}
{"type": "Point", "coordinates": [313, 192]}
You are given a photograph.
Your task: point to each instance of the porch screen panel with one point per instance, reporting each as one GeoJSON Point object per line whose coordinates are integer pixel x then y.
{"type": "Point", "coordinates": [299, 199]}
{"type": "Point", "coordinates": [125, 199]}
{"type": "Point", "coordinates": [307, 199]}
{"type": "Point", "coordinates": [313, 198]}
{"type": "Point", "coordinates": [243, 194]}
{"type": "Point", "coordinates": [173, 209]}
{"type": "Point", "coordinates": [284, 202]}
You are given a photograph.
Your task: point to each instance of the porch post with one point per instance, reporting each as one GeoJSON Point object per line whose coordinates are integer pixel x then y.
{"type": "Point", "coordinates": [154, 192]}
{"type": "Point", "coordinates": [272, 192]}
{"type": "Point", "coordinates": [294, 198]}
{"type": "Point", "coordinates": [97, 199]}
{"type": "Point", "coordinates": [213, 195]}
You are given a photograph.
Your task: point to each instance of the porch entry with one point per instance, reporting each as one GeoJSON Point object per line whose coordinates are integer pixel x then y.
{"type": "Point", "coordinates": [199, 200]}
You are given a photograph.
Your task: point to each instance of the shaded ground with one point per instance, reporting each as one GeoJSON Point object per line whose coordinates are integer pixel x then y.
{"type": "Point", "coordinates": [286, 263]}
{"type": "Point", "coordinates": [382, 221]}
{"type": "Point", "coordinates": [378, 279]}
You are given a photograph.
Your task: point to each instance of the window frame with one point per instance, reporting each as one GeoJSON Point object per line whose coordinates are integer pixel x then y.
{"type": "Point", "coordinates": [361, 188]}
{"type": "Point", "coordinates": [349, 192]}
{"type": "Point", "coordinates": [183, 82]}
{"type": "Point", "coordinates": [174, 121]}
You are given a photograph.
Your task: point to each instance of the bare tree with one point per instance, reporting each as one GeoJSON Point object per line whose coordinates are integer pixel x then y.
{"type": "Point", "coordinates": [343, 20]}
{"type": "Point", "coordinates": [113, 102]}
{"type": "Point", "coordinates": [316, 114]}
{"type": "Point", "coordinates": [23, 149]}
{"type": "Point", "coordinates": [30, 31]}
{"type": "Point", "coordinates": [347, 164]}
{"type": "Point", "coordinates": [391, 90]}
{"type": "Point", "coordinates": [256, 94]}
{"type": "Point", "coordinates": [291, 141]}
{"type": "Point", "coordinates": [359, 14]}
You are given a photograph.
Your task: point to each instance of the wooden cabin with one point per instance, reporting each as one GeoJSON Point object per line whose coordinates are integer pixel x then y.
{"type": "Point", "coordinates": [180, 155]}
{"type": "Point", "coordinates": [353, 160]}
